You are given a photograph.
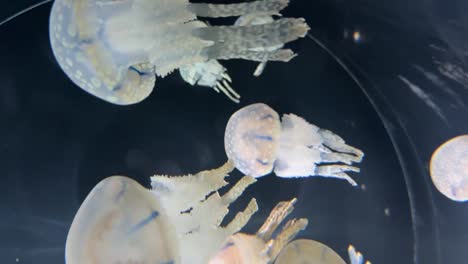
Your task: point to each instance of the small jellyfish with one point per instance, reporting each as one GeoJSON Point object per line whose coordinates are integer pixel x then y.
{"type": "Point", "coordinates": [262, 247]}
{"type": "Point", "coordinates": [122, 222]}
{"type": "Point", "coordinates": [113, 49]}
{"type": "Point", "coordinates": [306, 251]}
{"type": "Point", "coordinates": [449, 168]}
{"type": "Point", "coordinates": [258, 143]}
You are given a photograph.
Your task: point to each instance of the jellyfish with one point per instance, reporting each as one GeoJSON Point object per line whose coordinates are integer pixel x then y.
{"type": "Point", "coordinates": [114, 49]}
{"type": "Point", "coordinates": [449, 168]}
{"type": "Point", "coordinates": [177, 221]}
{"type": "Point", "coordinates": [262, 247]}
{"type": "Point", "coordinates": [258, 143]}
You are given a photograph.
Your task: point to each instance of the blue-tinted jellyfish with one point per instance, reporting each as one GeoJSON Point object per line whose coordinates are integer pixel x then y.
{"type": "Point", "coordinates": [258, 143]}
{"type": "Point", "coordinates": [113, 48]}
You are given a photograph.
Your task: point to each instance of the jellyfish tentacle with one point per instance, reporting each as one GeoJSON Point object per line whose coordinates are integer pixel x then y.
{"type": "Point", "coordinates": [257, 19]}
{"type": "Point", "coordinates": [228, 10]}
{"type": "Point", "coordinates": [250, 37]}
{"type": "Point", "coordinates": [355, 257]}
{"type": "Point", "coordinates": [211, 74]}
{"type": "Point", "coordinates": [336, 171]}
{"type": "Point", "coordinates": [241, 218]}
{"type": "Point", "coordinates": [277, 215]}
{"type": "Point", "coordinates": [238, 189]}
{"type": "Point", "coordinates": [289, 231]}
{"type": "Point", "coordinates": [332, 157]}
{"type": "Point", "coordinates": [227, 52]}
{"type": "Point", "coordinates": [337, 143]}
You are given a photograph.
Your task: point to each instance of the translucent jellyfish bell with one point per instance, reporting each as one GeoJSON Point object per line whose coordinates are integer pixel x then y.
{"type": "Point", "coordinates": [449, 168]}
{"type": "Point", "coordinates": [113, 49]}
{"type": "Point", "coordinates": [258, 143]}
{"type": "Point", "coordinates": [120, 222]}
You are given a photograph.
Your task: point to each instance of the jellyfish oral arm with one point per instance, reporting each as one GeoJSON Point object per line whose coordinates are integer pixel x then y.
{"type": "Point", "coordinates": [211, 74]}
{"type": "Point", "coordinates": [256, 40]}
{"type": "Point", "coordinates": [304, 148]}
{"type": "Point", "coordinates": [355, 257]}
{"type": "Point", "coordinates": [269, 7]}
{"type": "Point", "coordinates": [262, 247]}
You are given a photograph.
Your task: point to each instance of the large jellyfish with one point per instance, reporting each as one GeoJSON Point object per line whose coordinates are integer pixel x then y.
{"type": "Point", "coordinates": [178, 221]}
{"type": "Point", "coordinates": [113, 48]}
{"type": "Point", "coordinates": [259, 143]}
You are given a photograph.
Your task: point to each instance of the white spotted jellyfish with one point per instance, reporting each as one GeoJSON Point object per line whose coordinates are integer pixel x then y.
{"type": "Point", "coordinates": [114, 48]}
{"type": "Point", "coordinates": [258, 143]}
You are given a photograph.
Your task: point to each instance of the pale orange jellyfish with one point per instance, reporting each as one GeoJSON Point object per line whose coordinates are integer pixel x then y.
{"type": "Point", "coordinates": [449, 168]}
{"type": "Point", "coordinates": [259, 142]}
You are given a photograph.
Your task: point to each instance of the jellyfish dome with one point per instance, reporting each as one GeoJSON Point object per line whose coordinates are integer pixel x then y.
{"type": "Point", "coordinates": [113, 49]}
{"type": "Point", "coordinates": [258, 143]}
{"type": "Point", "coordinates": [120, 222]}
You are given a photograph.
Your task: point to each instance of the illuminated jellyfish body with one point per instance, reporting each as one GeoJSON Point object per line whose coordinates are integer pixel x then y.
{"type": "Point", "coordinates": [259, 143]}
{"type": "Point", "coordinates": [449, 168]}
{"type": "Point", "coordinates": [113, 49]}
{"type": "Point", "coordinates": [122, 222]}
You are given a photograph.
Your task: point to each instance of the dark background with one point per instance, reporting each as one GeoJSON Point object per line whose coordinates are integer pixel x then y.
{"type": "Point", "coordinates": [57, 141]}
